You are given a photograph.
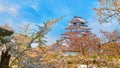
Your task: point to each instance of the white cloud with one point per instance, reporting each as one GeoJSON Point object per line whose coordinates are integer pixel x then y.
{"type": "Point", "coordinates": [51, 39]}
{"type": "Point", "coordinates": [35, 6]}
{"type": "Point", "coordinates": [96, 27]}
{"type": "Point", "coordinates": [12, 9]}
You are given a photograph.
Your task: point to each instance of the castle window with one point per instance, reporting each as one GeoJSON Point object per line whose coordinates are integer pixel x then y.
{"type": "Point", "coordinates": [74, 24]}
{"type": "Point", "coordinates": [82, 23]}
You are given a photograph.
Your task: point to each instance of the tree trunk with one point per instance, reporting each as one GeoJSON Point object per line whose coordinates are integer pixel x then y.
{"type": "Point", "coordinates": [5, 59]}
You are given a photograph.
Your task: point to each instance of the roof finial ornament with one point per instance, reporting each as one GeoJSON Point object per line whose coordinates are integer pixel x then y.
{"type": "Point", "coordinates": [77, 17]}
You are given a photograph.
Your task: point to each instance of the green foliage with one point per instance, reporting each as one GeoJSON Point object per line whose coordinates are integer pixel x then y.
{"type": "Point", "coordinates": [4, 40]}
{"type": "Point", "coordinates": [26, 30]}
{"type": "Point", "coordinates": [93, 56]}
{"type": "Point", "coordinates": [69, 62]}
{"type": "Point", "coordinates": [4, 32]}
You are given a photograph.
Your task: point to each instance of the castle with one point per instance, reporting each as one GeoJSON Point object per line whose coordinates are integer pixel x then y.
{"type": "Point", "coordinates": [77, 27]}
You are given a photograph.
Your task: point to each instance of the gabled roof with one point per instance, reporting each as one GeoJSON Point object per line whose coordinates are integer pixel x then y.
{"type": "Point", "coordinates": [78, 19]}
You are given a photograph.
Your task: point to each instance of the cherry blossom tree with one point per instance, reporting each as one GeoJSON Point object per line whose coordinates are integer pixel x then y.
{"type": "Point", "coordinates": [108, 11]}
{"type": "Point", "coordinates": [11, 44]}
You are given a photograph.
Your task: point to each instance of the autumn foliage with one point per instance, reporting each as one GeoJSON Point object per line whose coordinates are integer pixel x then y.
{"type": "Point", "coordinates": [16, 50]}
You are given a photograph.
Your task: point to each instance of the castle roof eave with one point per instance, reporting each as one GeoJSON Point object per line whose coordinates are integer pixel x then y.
{"type": "Point", "coordinates": [73, 33]}
{"type": "Point", "coordinates": [77, 27]}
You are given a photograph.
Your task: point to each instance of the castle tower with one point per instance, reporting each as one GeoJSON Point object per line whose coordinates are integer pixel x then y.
{"type": "Point", "coordinates": [77, 27]}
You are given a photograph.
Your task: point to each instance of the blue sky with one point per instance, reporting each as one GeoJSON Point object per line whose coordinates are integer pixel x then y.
{"type": "Point", "coordinates": [20, 12]}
